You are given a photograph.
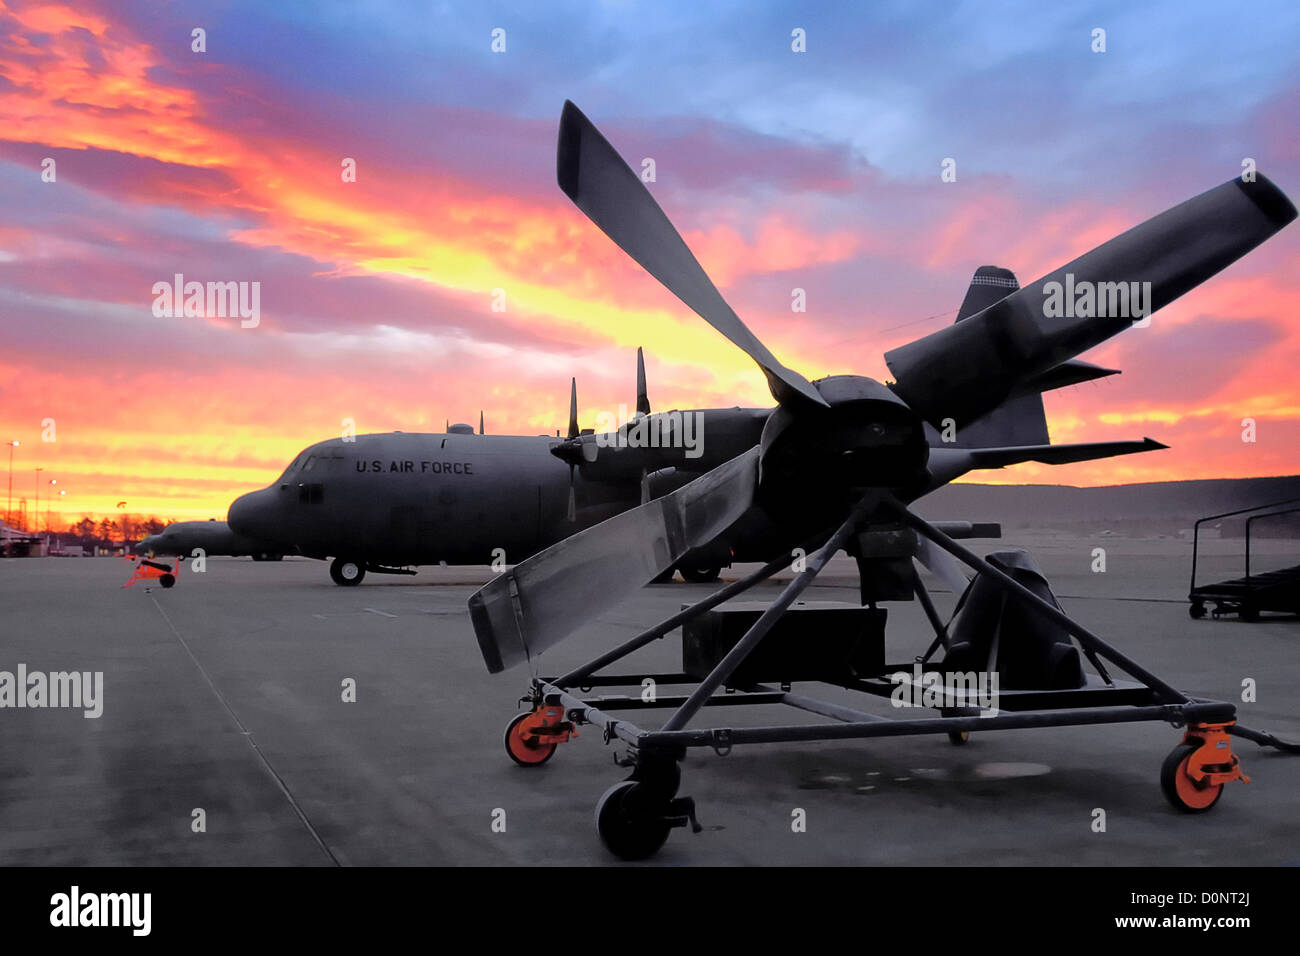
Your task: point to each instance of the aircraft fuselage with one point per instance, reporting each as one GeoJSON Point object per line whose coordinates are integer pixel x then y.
{"type": "Point", "coordinates": [401, 499]}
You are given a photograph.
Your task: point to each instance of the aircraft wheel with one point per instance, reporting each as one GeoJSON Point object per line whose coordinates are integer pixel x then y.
{"type": "Point", "coordinates": [664, 577]}
{"type": "Point", "coordinates": [522, 750]}
{"type": "Point", "coordinates": [701, 575]}
{"type": "Point", "coordinates": [346, 572]}
{"type": "Point", "coordinates": [1197, 610]}
{"type": "Point", "coordinates": [627, 822]}
{"type": "Point", "coordinates": [1178, 786]}
{"type": "Point", "coordinates": [1248, 613]}
{"type": "Point", "coordinates": [958, 737]}
{"type": "Point", "coordinates": [167, 580]}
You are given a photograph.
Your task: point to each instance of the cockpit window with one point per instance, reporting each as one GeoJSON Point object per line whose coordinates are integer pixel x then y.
{"type": "Point", "coordinates": [292, 465]}
{"type": "Point", "coordinates": [310, 463]}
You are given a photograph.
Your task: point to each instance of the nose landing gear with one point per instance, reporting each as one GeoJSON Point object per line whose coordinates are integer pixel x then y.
{"type": "Point", "coordinates": [347, 572]}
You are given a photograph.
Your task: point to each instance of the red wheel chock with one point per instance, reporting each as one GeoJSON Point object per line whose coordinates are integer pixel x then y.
{"type": "Point", "coordinates": [146, 570]}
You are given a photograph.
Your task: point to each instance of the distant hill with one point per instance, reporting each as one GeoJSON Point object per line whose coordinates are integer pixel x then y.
{"type": "Point", "coordinates": [1159, 507]}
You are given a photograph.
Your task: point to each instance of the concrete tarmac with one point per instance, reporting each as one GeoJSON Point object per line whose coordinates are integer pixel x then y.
{"type": "Point", "coordinates": [225, 695]}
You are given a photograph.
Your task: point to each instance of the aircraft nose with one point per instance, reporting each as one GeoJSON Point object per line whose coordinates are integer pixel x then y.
{"type": "Point", "coordinates": [254, 515]}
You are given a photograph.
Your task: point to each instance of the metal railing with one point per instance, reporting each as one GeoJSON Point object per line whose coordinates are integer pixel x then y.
{"type": "Point", "coordinates": [1254, 518]}
{"type": "Point", "coordinates": [1196, 530]}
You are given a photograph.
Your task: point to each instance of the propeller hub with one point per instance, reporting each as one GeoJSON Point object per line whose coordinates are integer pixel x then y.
{"type": "Point", "coordinates": [816, 461]}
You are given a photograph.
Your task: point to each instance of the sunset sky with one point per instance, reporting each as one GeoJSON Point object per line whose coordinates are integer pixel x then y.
{"type": "Point", "coordinates": [817, 170]}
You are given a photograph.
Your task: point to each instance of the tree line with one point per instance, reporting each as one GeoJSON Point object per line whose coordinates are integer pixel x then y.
{"type": "Point", "coordinates": [109, 532]}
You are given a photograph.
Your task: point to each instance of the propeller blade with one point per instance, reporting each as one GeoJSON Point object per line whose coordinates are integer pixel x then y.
{"type": "Point", "coordinates": [967, 369]}
{"type": "Point", "coordinates": [942, 565]}
{"type": "Point", "coordinates": [573, 497]}
{"type": "Point", "coordinates": [573, 408]}
{"type": "Point", "coordinates": [645, 486]}
{"type": "Point", "coordinates": [480, 422]}
{"type": "Point", "coordinates": [532, 607]}
{"type": "Point", "coordinates": [602, 185]}
{"type": "Point", "coordinates": [642, 399]}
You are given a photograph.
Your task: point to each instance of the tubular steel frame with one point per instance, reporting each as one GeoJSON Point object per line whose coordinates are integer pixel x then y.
{"type": "Point", "coordinates": [1101, 701]}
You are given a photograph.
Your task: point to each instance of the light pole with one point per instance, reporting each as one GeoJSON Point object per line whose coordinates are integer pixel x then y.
{"type": "Point", "coordinates": [36, 513]}
{"type": "Point", "coordinates": [9, 508]}
{"type": "Point", "coordinates": [49, 508]}
{"type": "Point", "coordinates": [63, 493]}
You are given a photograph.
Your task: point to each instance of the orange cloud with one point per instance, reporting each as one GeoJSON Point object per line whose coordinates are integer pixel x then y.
{"type": "Point", "coordinates": [91, 84]}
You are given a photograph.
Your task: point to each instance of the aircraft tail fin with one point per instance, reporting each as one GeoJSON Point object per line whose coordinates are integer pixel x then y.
{"type": "Point", "coordinates": [1017, 421]}
{"type": "Point", "coordinates": [1020, 420]}
{"type": "Point", "coordinates": [987, 285]}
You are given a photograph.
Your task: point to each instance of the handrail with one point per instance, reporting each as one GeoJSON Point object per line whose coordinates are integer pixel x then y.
{"type": "Point", "coordinates": [1270, 514]}
{"type": "Point", "coordinates": [1196, 533]}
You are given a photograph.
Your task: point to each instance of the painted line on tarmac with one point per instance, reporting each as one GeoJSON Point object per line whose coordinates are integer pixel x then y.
{"type": "Point", "coordinates": [382, 613]}
{"type": "Point", "coordinates": [248, 735]}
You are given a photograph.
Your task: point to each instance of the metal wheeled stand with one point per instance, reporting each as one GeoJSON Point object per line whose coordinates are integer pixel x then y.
{"type": "Point", "coordinates": [635, 817]}
{"type": "Point", "coordinates": [1247, 596]}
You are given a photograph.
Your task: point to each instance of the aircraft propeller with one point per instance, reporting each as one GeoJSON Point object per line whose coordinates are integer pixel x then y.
{"type": "Point", "coordinates": [847, 444]}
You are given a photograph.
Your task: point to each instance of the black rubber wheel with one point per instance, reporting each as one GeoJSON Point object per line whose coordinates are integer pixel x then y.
{"type": "Point", "coordinates": [705, 575]}
{"type": "Point", "coordinates": [1248, 613]}
{"type": "Point", "coordinates": [167, 580]}
{"type": "Point", "coordinates": [664, 578]}
{"type": "Point", "coordinates": [520, 750]}
{"type": "Point", "coordinates": [1197, 611]}
{"type": "Point", "coordinates": [347, 572]}
{"type": "Point", "coordinates": [625, 825]}
{"type": "Point", "coordinates": [1178, 787]}
{"type": "Point", "coordinates": [958, 738]}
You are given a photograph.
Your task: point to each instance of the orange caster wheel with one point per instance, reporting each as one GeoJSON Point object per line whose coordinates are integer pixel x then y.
{"type": "Point", "coordinates": [531, 738]}
{"type": "Point", "coordinates": [1193, 775]}
{"type": "Point", "coordinates": [1179, 787]}
{"type": "Point", "coordinates": [523, 744]}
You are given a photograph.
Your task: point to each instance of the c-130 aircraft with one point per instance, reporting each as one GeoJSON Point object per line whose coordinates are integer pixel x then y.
{"type": "Point", "coordinates": [386, 503]}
